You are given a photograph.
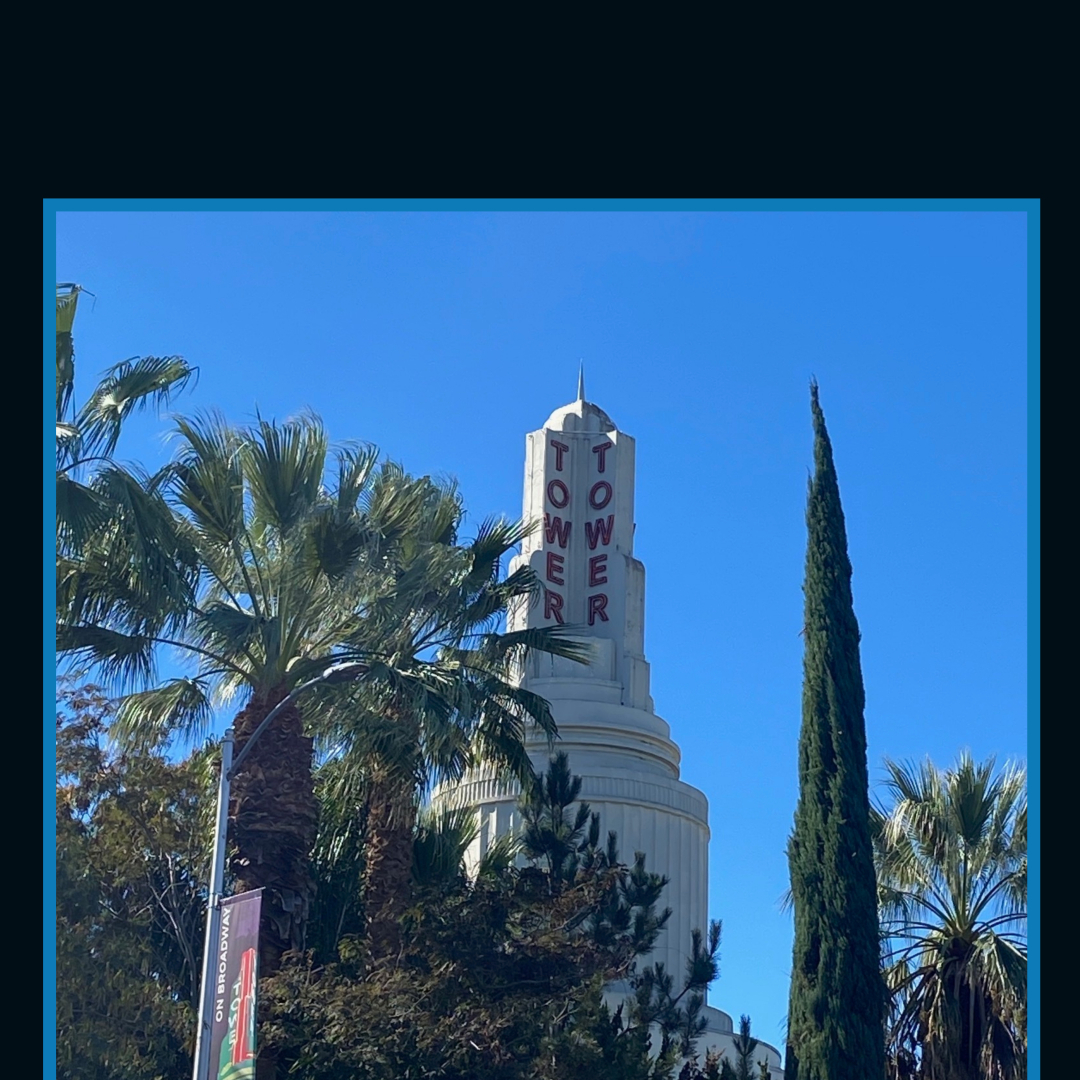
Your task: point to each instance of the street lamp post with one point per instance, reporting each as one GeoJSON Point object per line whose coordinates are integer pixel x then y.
{"type": "Point", "coordinates": [335, 673]}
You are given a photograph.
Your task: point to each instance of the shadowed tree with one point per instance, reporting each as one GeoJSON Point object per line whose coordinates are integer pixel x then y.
{"type": "Point", "coordinates": [132, 850]}
{"type": "Point", "coordinates": [501, 976]}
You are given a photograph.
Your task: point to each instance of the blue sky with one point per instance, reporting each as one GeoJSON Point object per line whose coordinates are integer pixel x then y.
{"type": "Point", "coordinates": [443, 337]}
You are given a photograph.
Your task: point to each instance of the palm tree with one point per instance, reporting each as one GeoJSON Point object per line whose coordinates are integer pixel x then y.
{"type": "Point", "coordinates": [87, 435]}
{"type": "Point", "coordinates": [103, 509]}
{"type": "Point", "coordinates": [293, 577]}
{"type": "Point", "coordinates": [441, 693]}
{"type": "Point", "coordinates": [951, 853]}
{"type": "Point", "coordinates": [276, 560]}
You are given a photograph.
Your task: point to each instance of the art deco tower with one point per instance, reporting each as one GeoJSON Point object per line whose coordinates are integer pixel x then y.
{"type": "Point", "coordinates": [579, 484]}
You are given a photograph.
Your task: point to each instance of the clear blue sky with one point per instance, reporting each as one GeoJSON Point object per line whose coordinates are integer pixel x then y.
{"type": "Point", "coordinates": [444, 337]}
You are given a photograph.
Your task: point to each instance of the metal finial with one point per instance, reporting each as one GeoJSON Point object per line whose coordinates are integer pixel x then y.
{"type": "Point", "coordinates": [581, 381]}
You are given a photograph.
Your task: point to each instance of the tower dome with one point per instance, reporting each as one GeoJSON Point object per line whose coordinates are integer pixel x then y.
{"type": "Point", "coordinates": [580, 415]}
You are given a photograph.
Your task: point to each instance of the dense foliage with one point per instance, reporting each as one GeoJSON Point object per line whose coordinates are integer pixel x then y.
{"type": "Point", "coordinates": [105, 509]}
{"type": "Point", "coordinates": [500, 977]}
{"type": "Point", "coordinates": [132, 839]}
{"type": "Point", "coordinates": [503, 977]}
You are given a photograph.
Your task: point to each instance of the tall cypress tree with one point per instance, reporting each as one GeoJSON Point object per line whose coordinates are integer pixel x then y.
{"type": "Point", "coordinates": [836, 1007]}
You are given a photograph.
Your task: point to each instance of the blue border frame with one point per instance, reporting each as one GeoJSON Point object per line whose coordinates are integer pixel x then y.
{"type": "Point", "coordinates": [1029, 206]}
{"type": "Point", "coordinates": [1034, 612]}
{"type": "Point", "coordinates": [48, 885]}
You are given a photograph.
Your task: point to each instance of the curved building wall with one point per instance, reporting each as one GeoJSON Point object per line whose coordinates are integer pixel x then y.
{"type": "Point", "coordinates": [658, 815]}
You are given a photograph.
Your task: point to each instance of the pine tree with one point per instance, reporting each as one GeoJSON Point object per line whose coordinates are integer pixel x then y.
{"type": "Point", "coordinates": [836, 1007]}
{"type": "Point", "coordinates": [745, 1045]}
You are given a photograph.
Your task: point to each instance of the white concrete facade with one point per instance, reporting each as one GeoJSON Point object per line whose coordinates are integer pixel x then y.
{"type": "Point", "coordinates": [579, 486]}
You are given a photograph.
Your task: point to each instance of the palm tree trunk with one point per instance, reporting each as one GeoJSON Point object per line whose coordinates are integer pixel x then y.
{"type": "Point", "coordinates": [273, 816]}
{"type": "Point", "coordinates": [388, 868]}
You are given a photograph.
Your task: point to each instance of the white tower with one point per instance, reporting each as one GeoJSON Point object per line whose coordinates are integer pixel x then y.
{"type": "Point", "coordinates": [579, 485]}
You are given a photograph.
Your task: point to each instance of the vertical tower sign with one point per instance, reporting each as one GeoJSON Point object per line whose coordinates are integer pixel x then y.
{"type": "Point", "coordinates": [579, 487]}
{"type": "Point", "coordinates": [577, 572]}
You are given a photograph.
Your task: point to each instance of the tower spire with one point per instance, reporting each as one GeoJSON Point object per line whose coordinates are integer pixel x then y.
{"type": "Point", "coordinates": [581, 381]}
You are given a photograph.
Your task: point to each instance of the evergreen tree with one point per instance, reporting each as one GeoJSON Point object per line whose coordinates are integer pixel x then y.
{"type": "Point", "coordinates": [745, 1045]}
{"type": "Point", "coordinates": [836, 1008]}
{"type": "Point", "coordinates": [557, 834]}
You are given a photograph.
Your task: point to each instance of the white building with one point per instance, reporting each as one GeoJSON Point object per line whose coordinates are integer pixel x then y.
{"type": "Point", "coordinates": [579, 482]}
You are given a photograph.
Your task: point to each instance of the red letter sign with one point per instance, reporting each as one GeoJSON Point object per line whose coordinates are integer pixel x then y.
{"type": "Point", "coordinates": [600, 450]}
{"type": "Point", "coordinates": [597, 604]}
{"type": "Point", "coordinates": [602, 531]}
{"type": "Point", "coordinates": [560, 449]}
{"type": "Point", "coordinates": [556, 490]}
{"type": "Point", "coordinates": [555, 566]}
{"type": "Point", "coordinates": [557, 529]}
{"type": "Point", "coordinates": [594, 498]}
{"type": "Point", "coordinates": [553, 606]}
{"type": "Point", "coordinates": [597, 566]}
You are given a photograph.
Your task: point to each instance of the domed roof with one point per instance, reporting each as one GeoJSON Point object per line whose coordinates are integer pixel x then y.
{"type": "Point", "coordinates": [580, 415]}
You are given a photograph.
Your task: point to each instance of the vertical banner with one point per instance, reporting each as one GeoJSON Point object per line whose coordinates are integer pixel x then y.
{"type": "Point", "coordinates": [232, 1021]}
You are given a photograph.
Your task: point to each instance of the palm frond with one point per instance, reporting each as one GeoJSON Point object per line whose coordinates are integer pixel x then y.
{"type": "Point", "coordinates": [336, 543]}
{"type": "Point", "coordinates": [80, 512]}
{"type": "Point", "coordinates": [150, 717]}
{"type": "Point", "coordinates": [284, 465]}
{"type": "Point", "coordinates": [494, 538]}
{"type": "Point", "coordinates": [500, 855]}
{"type": "Point", "coordinates": [207, 478]}
{"type": "Point", "coordinates": [356, 467]}
{"type": "Point", "coordinates": [125, 659]}
{"type": "Point", "coordinates": [442, 837]}
{"type": "Point", "coordinates": [66, 304]}
{"type": "Point", "coordinates": [66, 433]}
{"type": "Point", "coordinates": [500, 739]}
{"type": "Point", "coordinates": [226, 631]}
{"type": "Point", "coordinates": [512, 646]}
{"type": "Point", "coordinates": [157, 561]}
{"type": "Point", "coordinates": [127, 387]}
